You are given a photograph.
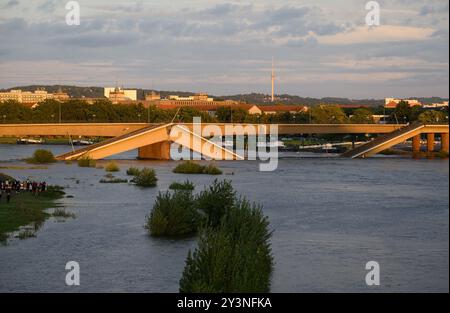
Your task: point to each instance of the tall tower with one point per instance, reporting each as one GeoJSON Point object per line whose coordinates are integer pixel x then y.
{"type": "Point", "coordinates": [273, 80]}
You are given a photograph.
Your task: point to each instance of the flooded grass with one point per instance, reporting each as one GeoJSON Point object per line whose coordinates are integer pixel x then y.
{"type": "Point", "coordinates": [25, 209]}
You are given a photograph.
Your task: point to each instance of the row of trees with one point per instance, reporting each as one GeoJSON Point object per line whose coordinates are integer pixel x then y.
{"type": "Point", "coordinates": [51, 111]}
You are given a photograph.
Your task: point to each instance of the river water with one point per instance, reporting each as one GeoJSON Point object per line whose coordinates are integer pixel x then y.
{"type": "Point", "coordinates": [330, 217]}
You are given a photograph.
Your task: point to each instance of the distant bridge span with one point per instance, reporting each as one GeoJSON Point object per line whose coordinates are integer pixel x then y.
{"type": "Point", "coordinates": [118, 129]}
{"type": "Point", "coordinates": [153, 140]}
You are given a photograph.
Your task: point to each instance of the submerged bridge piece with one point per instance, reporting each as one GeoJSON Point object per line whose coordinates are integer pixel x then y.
{"type": "Point", "coordinates": [400, 135]}
{"type": "Point", "coordinates": [153, 142]}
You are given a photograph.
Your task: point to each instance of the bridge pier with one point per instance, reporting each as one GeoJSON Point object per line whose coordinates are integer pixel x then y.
{"type": "Point", "coordinates": [156, 151]}
{"type": "Point", "coordinates": [444, 142]}
{"type": "Point", "coordinates": [416, 144]}
{"type": "Point", "coordinates": [430, 142]}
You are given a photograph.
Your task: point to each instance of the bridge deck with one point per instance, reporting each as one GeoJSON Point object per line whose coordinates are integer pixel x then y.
{"type": "Point", "coordinates": [107, 142]}
{"type": "Point", "coordinates": [118, 129]}
{"type": "Point", "coordinates": [385, 141]}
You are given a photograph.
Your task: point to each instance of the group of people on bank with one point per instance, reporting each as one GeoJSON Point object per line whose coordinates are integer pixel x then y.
{"type": "Point", "coordinates": [8, 187]}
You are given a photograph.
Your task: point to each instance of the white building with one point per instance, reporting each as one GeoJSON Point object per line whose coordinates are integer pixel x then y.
{"type": "Point", "coordinates": [392, 102]}
{"type": "Point", "coordinates": [129, 93]}
{"type": "Point", "coordinates": [436, 105]}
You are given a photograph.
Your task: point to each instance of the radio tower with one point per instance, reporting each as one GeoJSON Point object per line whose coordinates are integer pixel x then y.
{"type": "Point", "coordinates": [273, 81]}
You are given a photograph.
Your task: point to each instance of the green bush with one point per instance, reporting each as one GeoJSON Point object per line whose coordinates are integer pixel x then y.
{"type": "Point", "coordinates": [211, 169]}
{"type": "Point", "coordinates": [41, 156]}
{"type": "Point", "coordinates": [187, 185]}
{"type": "Point", "coordinates": [234, 257]}
{"type": "Point", "coordinates": [86, 161]}
{"type": "Point", "coordinates": [112, 167]}
{"type": "Point", "coordinates": [215, 201]}
{"type": "Point", "coordinates": [190, 167]}
{"type": "Point", "coordinates": [133, 171]}
{"type": "Point", "coordinates": [146, 178]}
{"type": "Point", "coordinates": [173, 214]}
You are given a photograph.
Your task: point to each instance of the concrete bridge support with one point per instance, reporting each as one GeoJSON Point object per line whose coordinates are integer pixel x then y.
{"type": "Point", "coordinates": [430, 142]}
{"type": "Point", "coordinates": [416, 144]}
{"type": "Point", "coordinates": [156, 151]}
{"type": "Point", "coordinates": [444, 142]}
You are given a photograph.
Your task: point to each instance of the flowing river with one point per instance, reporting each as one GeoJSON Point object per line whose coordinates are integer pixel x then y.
{"type": "Point", "coordinates": [329, 217]}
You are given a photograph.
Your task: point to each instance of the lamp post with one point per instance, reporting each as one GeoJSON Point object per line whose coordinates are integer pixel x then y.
{"type": "Point", "coordinates": [4, 118]}
{"type": "Point", "coordinates": [139, 117]}
{"type": "Point", "coordinates": [60, 113]}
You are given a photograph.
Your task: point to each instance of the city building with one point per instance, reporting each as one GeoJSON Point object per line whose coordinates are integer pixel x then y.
{"type": "Point", "coordinates": [197, 97]}
{"type": "Point", "coordinates": [391, 103]}
{"type": "Point", "coordinates": [32, 98]}
{"type": "Point", "coordinates": [153, 96]}
{"type": "Point", "coordinates": [120, 94]}
{"type": "Point", "coordinates": [436, 105]}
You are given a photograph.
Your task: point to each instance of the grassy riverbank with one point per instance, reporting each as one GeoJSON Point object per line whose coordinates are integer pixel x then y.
{"type": "Point", "coordinates": [26, 209]}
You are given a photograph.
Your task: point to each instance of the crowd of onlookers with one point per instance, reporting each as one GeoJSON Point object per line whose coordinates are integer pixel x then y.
{"type": "Point", "coordinates": [9, 187]}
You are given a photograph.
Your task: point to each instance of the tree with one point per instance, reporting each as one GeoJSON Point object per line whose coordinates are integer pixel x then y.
{"type": "Point", "coordinates": [12, 111]}
{"type": "Point", "coordinates": [404, 113]}
{"type": "Point", "coordinates": [362, 116]}
{"type": "Point", "coordinates": [328, 114]}
{"type": "Point", "coordinates": [432, 117]}
{"type": "Point", "coordinates": [227, 114]}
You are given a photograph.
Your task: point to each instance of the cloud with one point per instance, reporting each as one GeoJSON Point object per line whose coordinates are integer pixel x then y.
{"type": "Point", "coordinates": [11, 3]}
{"type": "Point", "coordinates": [320, 47]}
{"type": "Point", "coordinates": [48, 6]}
{"type": "Point", "coordinates": [434, 8]}
{"type": "Point", "coordinates": [379, 34]}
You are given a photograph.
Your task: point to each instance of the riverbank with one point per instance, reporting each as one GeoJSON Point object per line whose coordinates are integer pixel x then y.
{"type": "Point", "coordinates": [26, 209]}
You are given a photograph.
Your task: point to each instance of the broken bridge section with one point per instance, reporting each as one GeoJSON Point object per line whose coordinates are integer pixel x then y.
{"type": "Point", "coordinates": [153, 142]}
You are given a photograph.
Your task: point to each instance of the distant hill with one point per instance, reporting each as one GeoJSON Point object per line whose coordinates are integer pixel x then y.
{"type": "Point", "coordinates": [258, 98]}
{"type": "Point", "coordinates": [254, 98]}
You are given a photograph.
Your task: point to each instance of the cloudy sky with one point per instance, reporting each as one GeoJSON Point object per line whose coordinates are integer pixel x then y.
{"type": "Point", "coordinates": [321, 47]}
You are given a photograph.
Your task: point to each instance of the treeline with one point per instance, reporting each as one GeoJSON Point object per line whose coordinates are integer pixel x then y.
{"type": "Point", "coordinates": [103, 111]}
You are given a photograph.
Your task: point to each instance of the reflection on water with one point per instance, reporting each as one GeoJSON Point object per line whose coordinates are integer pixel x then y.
{"type": "Point", "coordinates": [330, 217]}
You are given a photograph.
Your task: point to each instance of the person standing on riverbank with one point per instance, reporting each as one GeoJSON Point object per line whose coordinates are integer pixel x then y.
{"type": "Point", "coordinates": [8, 194]}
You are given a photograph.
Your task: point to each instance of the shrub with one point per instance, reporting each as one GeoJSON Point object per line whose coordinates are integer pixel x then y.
{"type": "Point", "coordinates": [187, 185]}
{"type": "Point", "coordinates": [173, 215]}
{"type": "Point", "coordinates": [146, 178]}
{"type": "Point", "coordinates": [41, 156]}
{"type": "Point", "coordinates": [190, 167]}
{"type": "Point", "coordinates": [86, 161]}
{"type": "Point", "coordinates": [133, 171]}
{"type": "Point", "coordinates": [112, 167]}
{"type": "Point", "coordinates": [211, 169]}
{"type": "Point", "coordinates": [233, 257]}
{"type": "Point", "coordinates": [215, 201]}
